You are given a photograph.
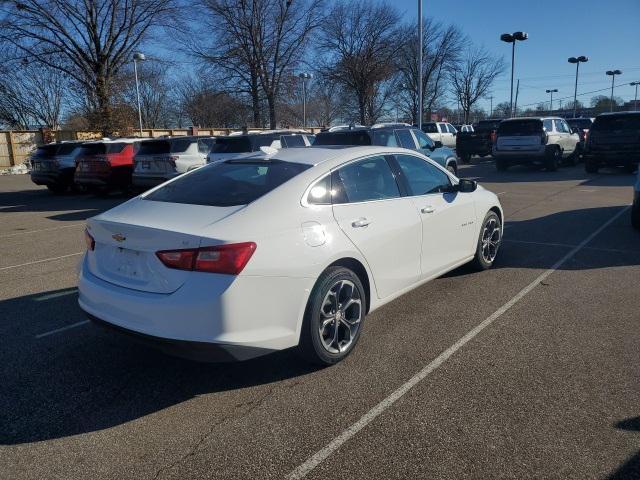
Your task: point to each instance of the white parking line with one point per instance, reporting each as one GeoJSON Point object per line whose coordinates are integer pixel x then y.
{"type": "Point", "coordinates": [58, 330]}
{"type": "Point", "coordinates": [26, 232]}
{"type": "Point", "coordinates": [50, 296]}
{"type": "Point", "coordinates": [11, 206]}
{"type": "Point", "coordinates": [312, 462]}
{"type": "Point", "coordinates": [41, 261]}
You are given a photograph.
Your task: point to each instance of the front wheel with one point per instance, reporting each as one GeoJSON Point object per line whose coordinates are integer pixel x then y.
{"type": "Point", "coordinates": [488, 242]}
{"type": "Point", "coordinates": [333, 318]}
{"type": "Point", "coordinates": [554, 156]}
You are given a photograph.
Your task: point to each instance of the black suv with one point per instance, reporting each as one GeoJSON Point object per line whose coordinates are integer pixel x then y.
{"type": "Point", "coordinates": [613, 140]}
{"type": "Point", "coordinates": [392, 135]}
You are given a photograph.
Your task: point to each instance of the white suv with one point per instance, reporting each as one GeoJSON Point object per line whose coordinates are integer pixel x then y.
{"type": "Point", "coordinates": [441, 132]}
{"type": "Point", "coordinates": [546, 140]}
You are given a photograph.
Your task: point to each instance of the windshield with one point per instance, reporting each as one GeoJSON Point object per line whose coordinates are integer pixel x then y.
{"type": "Point", "coordinates": [520, 127]}
{"type": "Point", "coordinates": [609, 123]}
{"type": "Point", "coordinates": [485, 125]}
{"type": "Point", "coordinates": [230, 183]}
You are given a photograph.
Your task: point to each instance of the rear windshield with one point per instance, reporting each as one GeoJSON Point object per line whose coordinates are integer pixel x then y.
{"type": "Point", "coordinates": [609, 123]}
{"type": "Point", "coordinates": [232, 145]}
{"type": "Point", "coordinates": [520, 127]}
{"type": "Point", "coordinates": [67, 148]}
{"type": "Point", "coordinates": [429, 128]}
{"type": "Point", "coordinates": [485, 125]}
{"type": "Point", "coordinates": [45, 151]}
{"type": "Point", "coordinates": [173, 145]}
{"type": "Point", "coordinates": [225, 184]}
{"type": "Point", "coordinates": [343, 138]}
{"type": "Point", "coordinates": [584, 123]}
{"type": "Point", "coordinates": [290, 141]}
{"type": "Point", "coordinates": [102, 148]}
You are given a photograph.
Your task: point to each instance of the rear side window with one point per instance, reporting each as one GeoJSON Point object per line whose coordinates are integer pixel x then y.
{"type": "Point", "coordinates": [290, 141]}
{"type": "Point", "coordinates": [67, 148]}
{"type": "Point", "coordinates": [232, 145]}
{"type": "Point", "coordinates": [45, 151]}
{"type": "Point", "coordinates": [609, 123]}
{"type": "Point", "coordinates": [180, 145]}
{"type": "Point", "coordinates": [369, 179]}
{"type": "Point", "coordinates": [583, 123]}
{"type": "Point", "coordinates": [424, 141]}
{"type": "Point", "coordinates": [520, 127]}
{"type": "Point", "coordinates": [343, 138]}
{"type": "Point", "coordinates": [406, 140]}
{"type": "Point", "coordinates": [384, 138]}
{"type": "Point", "coordinates": [429, 128]}
{"type": "Point", "coordinates": [229, 183]}
{"type": "Point", "coordinates": [547, 125]}
{"type": "Point", "coordinates": [115, 147]}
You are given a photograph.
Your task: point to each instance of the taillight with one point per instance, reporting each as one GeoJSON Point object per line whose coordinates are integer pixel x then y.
{"type": "Point", "coordinates": [88, 239]}
{"type": "Point", "coordinates": [586, 135]}
{"type": "Point", "coordinates": [229, 259]}
{"type": "Point", "coordinates": [494, 135]}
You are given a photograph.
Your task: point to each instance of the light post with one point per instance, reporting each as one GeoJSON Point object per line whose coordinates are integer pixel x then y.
{"type": "Point", "coordinates": [577, 61]}
{"type": "Point", "coordinates": [138, 57]}
{"type": "Point", "coordinates": [612, 74]}
{"type": "Point", "coordinates": [513, 38]}
{"type": "Point", "coordinates": [635, 99]}
{"type": "Point", "coordinates": [555, 90]}
{"type": "Point", "coordinates": [304, 76]}
{"type": "Point", "coordinates": [420, 48]}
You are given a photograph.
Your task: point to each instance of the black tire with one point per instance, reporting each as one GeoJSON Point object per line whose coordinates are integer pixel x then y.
{"type": "Point", "coordinates": [573, 158]}
{"type": "Point", "coordinates": [453, 168]}
{"type": "Point", "coordinates": [501, 164]}
{"type": "Point", "coordinates": [591, 165]}
{"type": "Point", "coordinates": [480, 261]}
{"type": "Point", "coordinates": [552, 159]}
{"type": "Point", "coordinates": [465, 158]}
{"type": "Point", "coordinates": [311, 346]}
{"type": "Point", "coordinates": [635, 216]}
{"type": "Point", "coordinates": [57, 189]}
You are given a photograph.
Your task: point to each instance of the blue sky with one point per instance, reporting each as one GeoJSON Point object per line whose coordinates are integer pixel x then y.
{"type": "Point", "coordinates": [606, 31]}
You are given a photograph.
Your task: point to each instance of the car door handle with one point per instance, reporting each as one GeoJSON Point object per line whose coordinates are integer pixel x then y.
{"type": "Point", "coordinates": [361, 222]}
{"type": "Point", "coordinates": [427, 209]}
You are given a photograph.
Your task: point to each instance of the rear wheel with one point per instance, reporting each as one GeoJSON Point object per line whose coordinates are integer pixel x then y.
{"type": "Point", "coordinates": [57, 188]}
{"type": "Point", "coordinates": [333, 318]}
{"type": "Point", "coordinates": [488, 242]}
{"type": "Point", "coordinates": [553, 158]}
{"type": "Point", "coordinates": [501, 164]}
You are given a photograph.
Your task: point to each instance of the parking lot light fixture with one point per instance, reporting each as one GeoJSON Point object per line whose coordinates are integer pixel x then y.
{"type": "Point", "coordinates": [138, 57]}
{"type": "Point", "coordinates": [551, 103]}
{"type": "Point", "coordinates": [304, 76]}
{"type": "Point", "coordinates": [577, 61]}
{"type": "Point", "coordinates": [612, 74]}
{"type": "Point", "coordinates": [512, 38]}
{"type": "Point", "coordinates": [635, 98]}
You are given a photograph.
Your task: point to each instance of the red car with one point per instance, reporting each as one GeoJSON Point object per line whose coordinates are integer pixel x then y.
{"type": "Point", "coordinates": [107, 164]}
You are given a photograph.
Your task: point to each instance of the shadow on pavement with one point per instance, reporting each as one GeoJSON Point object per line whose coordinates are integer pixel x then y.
{"type": "Point", "coordinates": [631, 468]}
{"type": "Point", "coordinates": [86, 379]}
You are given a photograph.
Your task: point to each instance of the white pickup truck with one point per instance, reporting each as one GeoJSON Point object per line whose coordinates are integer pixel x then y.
{"type": "Point", "coordinates": [441, 132]}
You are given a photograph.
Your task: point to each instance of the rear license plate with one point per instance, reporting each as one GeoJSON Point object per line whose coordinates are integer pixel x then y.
{"type": "Point", "coordinates": [127, 263]}
{"type": "Point", "coordinates": [146, 165]}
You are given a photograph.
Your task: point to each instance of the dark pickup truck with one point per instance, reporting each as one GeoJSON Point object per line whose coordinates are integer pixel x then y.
{"type": "Point", "coordinates": [478, 142]}
{"type": "Point", "coordinates": [613, 140]}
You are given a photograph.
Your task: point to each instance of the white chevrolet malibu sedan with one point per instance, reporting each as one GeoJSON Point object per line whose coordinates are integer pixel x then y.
{"type": "Point", "coordinates": [247, 256]}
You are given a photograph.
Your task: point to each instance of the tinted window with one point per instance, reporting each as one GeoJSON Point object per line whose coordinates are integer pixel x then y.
{"type": "Point", "coordinates": [67, 148]}
{"type": "Point", "coordinates": [320, 193]}
{"type": "Point", "coordinates": [561, 126]}
{"type": "Point", "coordinates": [240, 144]}
{"type": "Point", "coordinates": [180, 145]}
{"type": "Point", "coordinates": [547, 125]}
{"type": "Point", "coordinates": [292, 141]}
{"type": "Point", "coordinates": [443, 127]}
{"type": "Point", "coordinates": [422, 177]}
{"type": "Point", "coordinates": [520, 127]}
{"type": "Point", "coordinates": [258, 141]}
{"type": "Point", "coordinates": [102, 148]}
{"type": "Point", "coordinates": [424, 141]}
{"type": "Point", "coordinates": [584, 123]}
{"type": "Point", "coordinates": [45, 151]}
{"type": "Point", "coordinates": [229, 183]}
{"type": "Point", "coordinates": [369, 179]}
{"type": "Point", "coordinates": [155, 147]}
{"type": "Point", "coordinates": [406, 139]}
{"type": "Point", "coordinates": [451, 128]}
{"type": "Point", "coordinates": [616, 122]}
{"type": "Point", "coordinates": [385, 138]}
{"type": "Point", "coordinates": [354, 137]}
{"type": "Point", "coordinates": [486, 125]}
{"type": "Point", "coordinates": [429, 128]}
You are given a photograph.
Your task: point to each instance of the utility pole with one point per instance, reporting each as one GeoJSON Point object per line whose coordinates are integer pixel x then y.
{"type": "Point", "coordinates": [635, 99]}
{"type": "Point", "coordinates": [551, 103]}
{"type": "Point", "coordinates": [515, 105]}
{"type": "Point", "coordinates": [612, 74]}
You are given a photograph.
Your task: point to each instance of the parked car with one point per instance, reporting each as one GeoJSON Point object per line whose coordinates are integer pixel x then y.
{"type": "Point", "coordinates": [246, 256]}
{"type": "Point", "coordinates": [54, 164]}
{"type": "Point", "coordinates": [582, 127]}
{"type": "Point", "coordinates": [236, 144]}
{"type": "Point", "coordinates": [392, 135]}
{"type": "Point", "coordinates": [441, 132]}
{"type": "Point", "coordinates": [635, 208]}
{"type": "Point", "coordinates": [465, 128]}
{"type": "Point", "coordinates": [162, 159]}
{"type": "Point", "coordinates": [546, 140]}
{"type": "Point", "coordinates": [478, 141]}
{"type": "Point", "coordinates": [106, 164]}
{"type": "Point", "coordinates": [613, 140]}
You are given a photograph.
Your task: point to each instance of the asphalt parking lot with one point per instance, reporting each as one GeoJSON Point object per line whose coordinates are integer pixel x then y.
{"type": "Point", "coordinates": [526, 370]}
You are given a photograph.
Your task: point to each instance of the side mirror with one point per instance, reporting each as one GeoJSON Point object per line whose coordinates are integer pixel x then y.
{"type": "Point", "coordinates": [437, 144]}
{"type": "Point", "coordinates": [467, 186]}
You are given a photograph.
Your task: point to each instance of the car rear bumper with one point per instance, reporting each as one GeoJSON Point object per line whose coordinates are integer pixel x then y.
{"type": "Point", "coordinates": [242, 316]}
{"type": "Point", "coordinates": [613, 157]}
{"type": "Point", "coordinates": [151, 180]}
{"type": "Point", "coordinates": [528, 155]}
{"type": "Point", "coordinates": [61, 176]}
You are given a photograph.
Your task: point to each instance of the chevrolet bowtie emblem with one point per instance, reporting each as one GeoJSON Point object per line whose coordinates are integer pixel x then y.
{"type": "Point", "coordinates": [118, 237]}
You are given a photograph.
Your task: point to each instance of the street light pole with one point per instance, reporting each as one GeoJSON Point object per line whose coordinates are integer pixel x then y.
{"type": "Point", "coordinates": [635, 99]}
{"type": "Point", "coordinates": [577, 61]}
{"type": "Point", "coordinates": [138, 57]}
{"type": "Point", "coordinates": [420, 48]}
{"type": "Point", "coordinates": [551, 103]}
{"type": "Point", "coordinates": [513, 38]}
{"type": "Point", "coordinates": [612, 74]}
{"type": "Point", "coordinates": [304, 76]}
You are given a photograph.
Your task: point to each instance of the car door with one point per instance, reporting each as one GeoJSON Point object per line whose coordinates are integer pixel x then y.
{"type": "Point", "coordinates": [427, 147]}
{"type": "Point", "coordinates": [452, 137]}
{"type": "Point", "coordinates": [405, 139]}
{"type": "Point", "coordinates": [382, 225]}
{"type": "Point", "coordinates": [445, 136]}
{"type": "Point", "coordinates": [566, 137]}
{"type": "Point", "coordinates": [447, 217]}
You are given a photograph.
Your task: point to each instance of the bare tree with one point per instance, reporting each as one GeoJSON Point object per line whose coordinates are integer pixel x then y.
{"type": "Point", "coordinates": [473, 76]}
{"type": "Point", "coordinates": [258, 43]}
{"type": "Point", "coordinates": [442, 48]}
{"type": "Point", "coordinates": [361, 40]}
{"type": "Point", "coordinates": [88, 40]}
{"type": "Point", "coordinates": [155, 85]}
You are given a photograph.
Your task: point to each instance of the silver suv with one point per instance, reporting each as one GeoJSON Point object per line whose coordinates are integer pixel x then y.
{"type": "Point", "coordinates": [161, 159]}
{"type": "Point", "coordinates": [546, 140]}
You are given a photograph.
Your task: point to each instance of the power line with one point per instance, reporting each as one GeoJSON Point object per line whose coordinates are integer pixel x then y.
{"type": "Point", "coordinates": [580, 94]}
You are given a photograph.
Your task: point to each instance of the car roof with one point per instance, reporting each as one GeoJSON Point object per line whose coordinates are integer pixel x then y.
{"type": "Point", "coordinates": [332, 154]}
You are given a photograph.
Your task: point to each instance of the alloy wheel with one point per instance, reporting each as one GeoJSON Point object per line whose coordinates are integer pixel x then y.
{"type": "Point", "coordinates": [491, 237]}
{"type": "Point", "coordinates": [340, 316]}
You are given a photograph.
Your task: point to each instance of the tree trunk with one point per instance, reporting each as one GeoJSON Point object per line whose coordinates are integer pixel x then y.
{"type": "Point", "coordinates": [362, 109]}
{"type": "Point", "coordinates": [105, 115]}
{"type": "Point", "coordinates": [255, 101]}
{"type": "Point", "coordinates": [271, 102]}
